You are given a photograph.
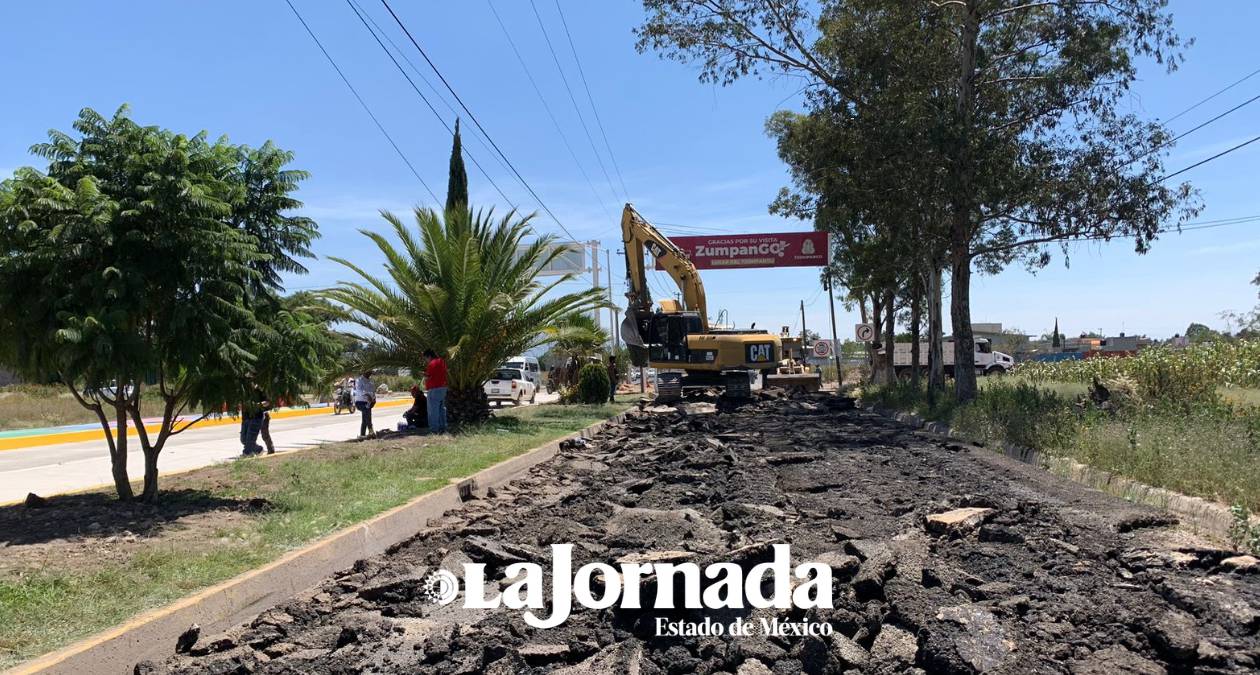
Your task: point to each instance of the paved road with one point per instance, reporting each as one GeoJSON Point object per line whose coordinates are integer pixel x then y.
{"type": "Point", "coordinates": [52, 469]}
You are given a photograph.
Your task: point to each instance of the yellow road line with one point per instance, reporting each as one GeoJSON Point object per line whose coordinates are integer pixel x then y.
{"type": "Point", "coordinates": [23, 442]}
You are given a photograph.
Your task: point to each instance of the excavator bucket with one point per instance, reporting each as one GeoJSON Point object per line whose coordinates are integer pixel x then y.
{"type": "Point", "coordinates": [634, 342]}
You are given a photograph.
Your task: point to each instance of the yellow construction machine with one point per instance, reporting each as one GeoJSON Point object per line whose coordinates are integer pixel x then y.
{"type": "Point", "coordinates": [794, 370]}
{"type": "Point", "coordinates": [676, 336]}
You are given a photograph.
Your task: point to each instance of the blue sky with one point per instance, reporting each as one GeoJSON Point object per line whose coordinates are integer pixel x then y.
{"type": "Point", "coordinates": [690, 154]}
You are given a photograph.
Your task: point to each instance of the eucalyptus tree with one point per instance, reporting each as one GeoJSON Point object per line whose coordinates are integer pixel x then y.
{"type": "Point", "coordinates": [1021, 99]}
{"type": "Point", "coordinates": [136, 261]}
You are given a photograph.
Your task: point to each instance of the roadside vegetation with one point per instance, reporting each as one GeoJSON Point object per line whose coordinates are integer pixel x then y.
{"type": "Point", "coordinates": [136, 317]}
{"type": "Point", "coordinates": [32, 406]}
{"type": "Point", "coordinates": [1164, 422]}
{"type": "Point", "coordinates": [224, 520]}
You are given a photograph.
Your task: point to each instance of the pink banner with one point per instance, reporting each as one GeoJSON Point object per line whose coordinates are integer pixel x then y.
{"type": "Point", "coordinates": [733, 251]}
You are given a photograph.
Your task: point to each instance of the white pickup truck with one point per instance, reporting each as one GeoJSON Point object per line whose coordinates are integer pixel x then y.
{"type": "Point", "coordinates": [988, 362]}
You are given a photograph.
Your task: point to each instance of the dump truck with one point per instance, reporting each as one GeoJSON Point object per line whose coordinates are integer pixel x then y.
{"type": "Point", "coordinates": [988, 362]}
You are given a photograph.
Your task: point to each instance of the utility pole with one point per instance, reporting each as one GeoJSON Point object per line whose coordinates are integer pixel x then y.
{"type": "Point", "coordinates": [613, 333]}
{"type": "Point", "coordinates": [803, 333]}
{"type": "Point", "coordinates": [835, 343]}
{"type": "Point", "coordinates": [594, 247]}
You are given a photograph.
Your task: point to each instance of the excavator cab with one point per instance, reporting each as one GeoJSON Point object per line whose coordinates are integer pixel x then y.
{"type": "Point", "coordinates": [667, 336]}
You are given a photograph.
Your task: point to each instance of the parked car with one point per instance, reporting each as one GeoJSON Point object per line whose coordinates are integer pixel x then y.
{"type": "Point", "coordinates": [530, 367]}
{"type": "Point", "coordinates": [510, 384]}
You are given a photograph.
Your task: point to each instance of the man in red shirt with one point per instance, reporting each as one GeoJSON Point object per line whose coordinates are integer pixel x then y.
{"type": "Point", "coordinates": [435, 385]}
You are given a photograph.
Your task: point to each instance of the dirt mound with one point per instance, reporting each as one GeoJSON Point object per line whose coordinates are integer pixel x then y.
{"type": "Point", "coordinates": [946, 559]}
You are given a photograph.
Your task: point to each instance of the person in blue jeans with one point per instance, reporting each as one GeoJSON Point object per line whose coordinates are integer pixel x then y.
{"type": "Point", "coordinates": [435, 386]}
{"type": "Point", "coordinates": [253, 413]}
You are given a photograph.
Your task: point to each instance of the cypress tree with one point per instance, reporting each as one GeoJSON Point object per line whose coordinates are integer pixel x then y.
{"type": "Point", "coordinates": [457, 183]}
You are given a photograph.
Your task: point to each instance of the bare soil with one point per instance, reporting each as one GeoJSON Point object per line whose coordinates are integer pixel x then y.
{"type": "Point", "coordinates": [1045, 577]}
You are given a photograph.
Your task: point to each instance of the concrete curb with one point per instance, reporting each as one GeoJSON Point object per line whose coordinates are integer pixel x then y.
{"type": "Point", "coordinates": [152, 635]}
{"type": "Point", "coordinates": [1200, 515]}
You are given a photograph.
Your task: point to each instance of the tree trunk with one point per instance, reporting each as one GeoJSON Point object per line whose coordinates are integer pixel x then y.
{"type": "Point", "coordinates": [890, 335]}
{"type": "Point", "coordinates": [936, 352]}
{"type": "Point", "coordinates": [150, 475]}
{"type": "Point", "coordinates": [118, 458]}
{"type": "Point", "coordinates": [960, 315]}
{"type": "Point", "coordinates": [916, 286]}
{"type": "Point", "coordinates": [465, 407]}
{"type": "Point", "coordinates": [963, 198]}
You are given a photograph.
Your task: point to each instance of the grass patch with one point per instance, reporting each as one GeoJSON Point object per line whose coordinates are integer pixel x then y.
{"type": "Point", "coordinates": [1209, 449]}
{"type": "Point", "coordinates": [34, 406]}
{"type": "Point", "coordinates": [312, 494]}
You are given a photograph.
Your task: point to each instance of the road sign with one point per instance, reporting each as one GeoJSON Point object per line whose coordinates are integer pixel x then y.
{"type": "Point", "coordinates": [822, 349]}
{"type": "Point", "coordinates": [865, 332]}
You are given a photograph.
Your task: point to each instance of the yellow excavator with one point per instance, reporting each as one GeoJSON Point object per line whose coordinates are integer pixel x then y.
{"type": "Point", "coordinates": [676, 336]}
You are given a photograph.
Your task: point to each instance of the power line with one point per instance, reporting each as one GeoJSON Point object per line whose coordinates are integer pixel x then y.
{"type": "Point", "coordinates": [428, 83]}
{"type": "Point", "coordinates": [563, 137]}
{"type": "Point", "coordinates": [474, 118]}
{"type": "Point", "coordinates": [1191, 227]}
{"type": "Point", "coordinates": [1235, 84]}
{"type": "Point", "coordinates": [355, 9]}
{"type": "Point", "coordinates": [1217, 155]}
{"type": "Point", "coordinates": [363, 103]}
{"type": "Point", "coordinates": [1182, 135]}
{"type": "Point", "coordinates": [591, 99]}
{"type": "Point", "coordinates": [694, 228]}
{"type": "Point", "coordinates": [572, 99]}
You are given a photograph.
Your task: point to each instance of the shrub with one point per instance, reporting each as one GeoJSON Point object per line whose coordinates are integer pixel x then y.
{"type": "Point", "coordinates": [1164, 374]}
{"type": "Point", "coordinates": [1018, 413]}
{"type": "Point", "coordinates": [593, 384]}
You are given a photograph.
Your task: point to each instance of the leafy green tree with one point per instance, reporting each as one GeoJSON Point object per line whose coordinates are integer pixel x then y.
{"type": "Point", "coordinates": [136, 261]}
{"type": "Point", "coordinates": [457, 181]}
{"type": "Point", "coordinates": [1198, 333]}
{"type": "Point", "coordinates": [466, 285]}
{"type": "Point", "coordinates": [295, 350]}
{"type": "Point", "coordinates": [1014, 106]}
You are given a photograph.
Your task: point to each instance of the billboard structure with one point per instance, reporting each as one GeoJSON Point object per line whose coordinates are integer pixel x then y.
{"type": "Point", "coordinates": [572, 260]}
{"type": "Point", "coordinates": [735, 251]}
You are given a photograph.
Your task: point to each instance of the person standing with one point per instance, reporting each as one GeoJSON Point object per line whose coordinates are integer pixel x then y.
{"type": "Point", "coordinates": [612, 378]}
{"type": "Point", "coordinates": [253, 413]}
{"type": "Point", "coordinates": [435, 385]}
{"type": "Point", "coordinates": [264, 430]}
{"type": "Point", "coordinates": [364, 399]}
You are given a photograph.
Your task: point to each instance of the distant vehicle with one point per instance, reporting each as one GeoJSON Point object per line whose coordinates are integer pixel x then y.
{"type": "Point", "coordinates": [529, 366]}
{"type": "Point", "coordinates": [988, 362]}
{"type": "Point", "coordinates": [510, 384]}
{"type": "Point", "coordinates": [343, 399]}
{"type": "Point", "coordinates": [111, 391]}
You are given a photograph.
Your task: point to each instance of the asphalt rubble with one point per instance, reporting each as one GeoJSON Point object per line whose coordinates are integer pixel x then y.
{"type": "Point", "coordinates": [947, 559]}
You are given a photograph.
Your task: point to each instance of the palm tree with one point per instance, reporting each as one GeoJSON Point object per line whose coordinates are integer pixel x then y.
{"type": "Point", "coordinates": [465, 285]}
{"type": "Point", "coordinates": [576, 339]}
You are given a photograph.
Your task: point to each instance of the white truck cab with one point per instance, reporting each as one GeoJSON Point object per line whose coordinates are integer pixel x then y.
{"type": "Point", "coordinates": [988, 362]}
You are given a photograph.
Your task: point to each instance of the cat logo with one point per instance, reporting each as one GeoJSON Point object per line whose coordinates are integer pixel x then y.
{"type": "Point", "coordinates": [760, 353]}
{"type": "Point", "coordinates": [807, 248]}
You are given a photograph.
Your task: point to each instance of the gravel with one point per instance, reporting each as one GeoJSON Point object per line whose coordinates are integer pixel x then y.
{"type": "Point", "coordinates": [946, 559]}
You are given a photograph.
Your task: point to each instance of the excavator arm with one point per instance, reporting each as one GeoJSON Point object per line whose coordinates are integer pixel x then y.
{"type": "Point", "coordinates": [640, 237]}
